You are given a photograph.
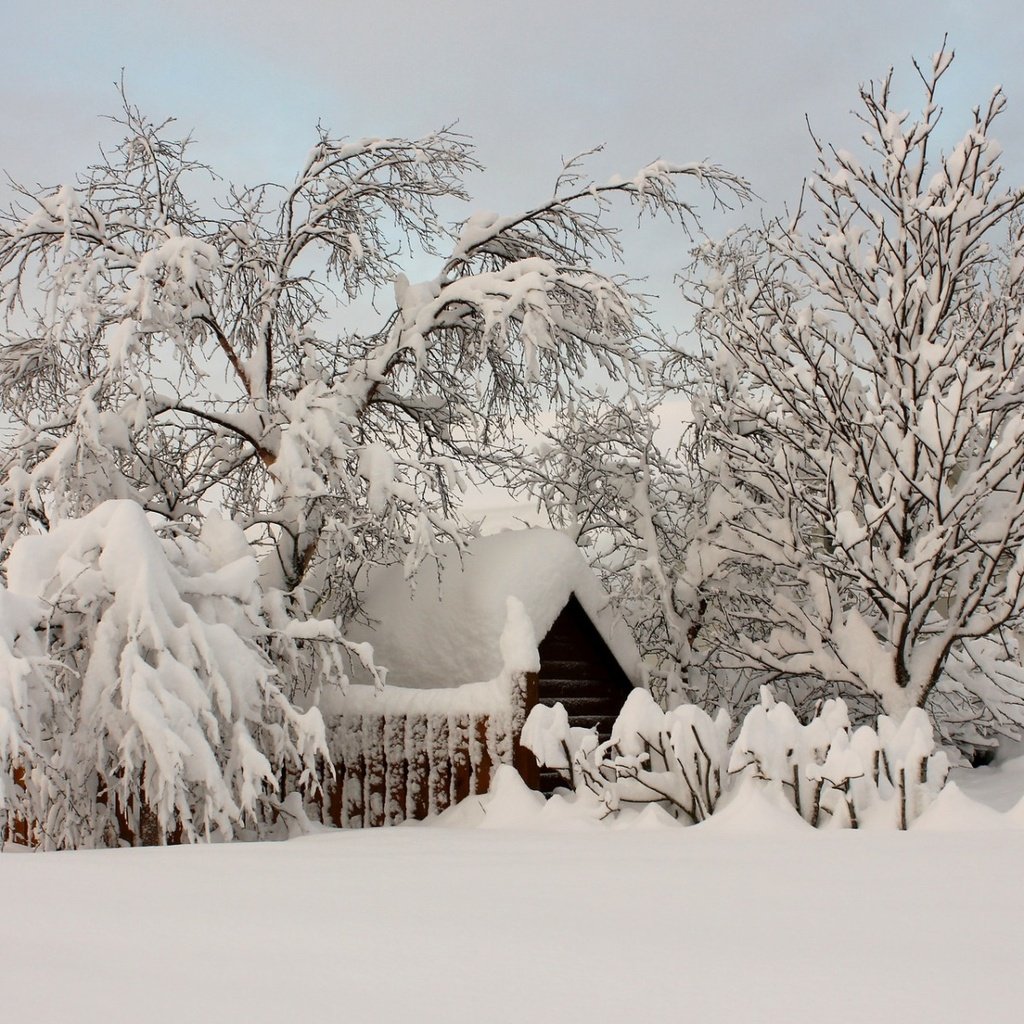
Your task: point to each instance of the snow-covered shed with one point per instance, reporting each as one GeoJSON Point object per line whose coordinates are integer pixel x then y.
{"type": "Point", "coordinates": [470, 645]}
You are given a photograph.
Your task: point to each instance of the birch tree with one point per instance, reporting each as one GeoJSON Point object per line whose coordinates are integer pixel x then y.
{"type": "Point", "coordinates": [863, 416]}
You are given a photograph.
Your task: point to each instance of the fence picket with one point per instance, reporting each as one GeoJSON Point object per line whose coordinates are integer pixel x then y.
{"type": "Point", "coordinates": [481, 754]}
{"type": "Point", "coordinates": [417, 794]}
{"type": "Point", "coordinates": [440, 764]}
{"type": "Point", "coordinates": [376, 772]}
{"type": "Point", "coordinates": [396, 769]}
{"type": "Point", "coordinates": [461, 765]}
{"type": "Point", "coordinates": [354, 772]}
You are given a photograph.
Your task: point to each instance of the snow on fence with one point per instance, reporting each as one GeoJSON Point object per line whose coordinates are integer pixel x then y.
{"type": "Point", "coordinates": [407, 754]}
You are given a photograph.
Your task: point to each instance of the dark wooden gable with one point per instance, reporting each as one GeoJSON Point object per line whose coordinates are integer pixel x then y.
{"type": "Point", "coordinates": [578, 671]}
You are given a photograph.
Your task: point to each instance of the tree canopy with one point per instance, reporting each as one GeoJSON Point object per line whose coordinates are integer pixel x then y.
{"type": "Point", "coordinates": [182, 386]}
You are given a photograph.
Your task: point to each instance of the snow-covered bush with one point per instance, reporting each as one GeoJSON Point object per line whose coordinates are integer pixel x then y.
{"type": "Point", "coordinates": [136, 693]}
{"type": "Point", "coordinates": [831, 771]}
{"type": "Point", "coordinates": [682, 760]}
{"type": "Point", "coordinates": [774, 746]}
{"type": "Point", "coordinates": [677, 757]}
{"type": "Point", "coordinates": [556, 744]}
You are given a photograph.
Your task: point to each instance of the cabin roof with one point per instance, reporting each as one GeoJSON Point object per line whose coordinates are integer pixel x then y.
{"type": "Point", "coordinates": [443, 627]}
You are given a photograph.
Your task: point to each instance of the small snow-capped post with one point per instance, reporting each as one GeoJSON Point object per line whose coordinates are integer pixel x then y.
{"type": "Point", "coordinates": [862, 421]}
{"type": "Point", "coordinates": [521, 667]}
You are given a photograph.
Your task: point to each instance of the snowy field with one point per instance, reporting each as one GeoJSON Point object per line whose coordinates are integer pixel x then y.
{"type": "Point", "coordinates": [751, 917]}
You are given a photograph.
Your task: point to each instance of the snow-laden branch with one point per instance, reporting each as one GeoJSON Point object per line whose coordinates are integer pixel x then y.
{"type": "Point", "coordinates": [197, 337]}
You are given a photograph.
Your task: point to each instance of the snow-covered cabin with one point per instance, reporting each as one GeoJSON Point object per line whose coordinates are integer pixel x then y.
{"type": "Point", "coordinates": [455, 658]}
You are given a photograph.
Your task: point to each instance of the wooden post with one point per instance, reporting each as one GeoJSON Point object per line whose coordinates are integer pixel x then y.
{"type": "Point", "coordinates": [524, 699]}
{"type": "Point", "coordinates": [482, 761]}
{"type": "Point", "coordinates": [335, 800]}
{"type": "Point", "coordinates": [440, 765]}
{"type": "Point", "coordinates": [354, 771]}
{"type": "Point", "coordinates": [376, 769]}
{"type": "Point", "coordinates": [417, 790]}
{"type": "Point", "coordinates": [318, 789]}
{"type": "Point", "coordinates": [394, 748]}
{"type": "Point", "coordinates": [124, 815]}
{"type": "Point", "coordinates": [150, 833]}
{"type": "Point", "coordinates": [17, 831]}
{"type": "Point", "coordinates": [500, 746]}
{"type": "Point", "coordinates": [461, 766]}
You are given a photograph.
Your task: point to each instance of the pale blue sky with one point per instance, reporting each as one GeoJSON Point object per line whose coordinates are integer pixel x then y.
{"type": "Point", "coordinates": [529, 80]}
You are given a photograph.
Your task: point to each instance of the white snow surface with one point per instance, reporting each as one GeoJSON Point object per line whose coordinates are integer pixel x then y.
{"type": "Point", "coordinates": [545, 915]}
{"type": "Point", "coordinates": [443, 627]}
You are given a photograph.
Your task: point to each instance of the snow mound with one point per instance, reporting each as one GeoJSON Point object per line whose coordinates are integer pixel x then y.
{"type": "Point", "coordinates": [653, 818]}
{"type": "Point", "coordinates": [954, 811]}
{"type": "Point", "coordinates": [754, 807]}
{"type": "Point", "coordinates": [1000, 785]}
{"type": "Point", "coordinates": [469, 813]}
{"type": "Point", "coordinates": [512, 805]}
{"type": "Point", "coordinates": [572, 812]}
{"type": "Point", "coordinates": [1014, 817]}
{"type": "Point", "coordinates": [443, 627]}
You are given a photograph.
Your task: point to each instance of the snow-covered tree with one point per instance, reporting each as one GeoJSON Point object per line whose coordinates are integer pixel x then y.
{"type": "Point", "coordinates": [137, 698]}
{"type": "Point", "coordinates": [187, 357]}
{"type": "Point", "coordinates": [167, 361]}
{"type": "Point", "coordinates": [864, 422]}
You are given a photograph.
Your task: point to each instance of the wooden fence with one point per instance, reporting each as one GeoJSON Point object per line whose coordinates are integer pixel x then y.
{"type": "Point", "coordinates": [405, 754]}
{"type": "Point", "coordinates": [400, 754]}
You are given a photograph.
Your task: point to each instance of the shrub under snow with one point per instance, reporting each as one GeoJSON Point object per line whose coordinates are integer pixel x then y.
{"type": "Point", "coordinates": [136, 694]}
{"type": "Point", "coordinates": [682, 759]}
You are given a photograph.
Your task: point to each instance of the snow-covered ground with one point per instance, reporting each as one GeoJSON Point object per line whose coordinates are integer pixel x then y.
{"type": "Point", "coordinates": [752, 917]}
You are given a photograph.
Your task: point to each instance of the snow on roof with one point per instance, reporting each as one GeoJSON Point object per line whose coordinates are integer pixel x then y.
{"type": "Point", "coordinates": [443, 627]}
